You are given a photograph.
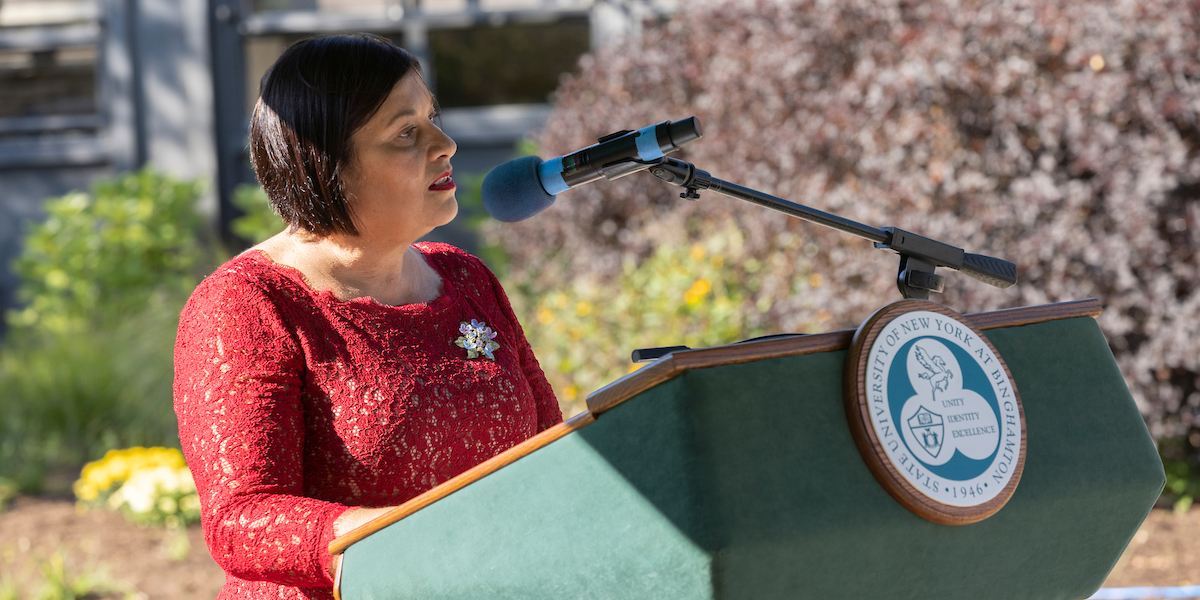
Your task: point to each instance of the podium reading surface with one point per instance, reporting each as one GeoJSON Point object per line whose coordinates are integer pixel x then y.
{"type": "Point", "coordinates": [731, 473]}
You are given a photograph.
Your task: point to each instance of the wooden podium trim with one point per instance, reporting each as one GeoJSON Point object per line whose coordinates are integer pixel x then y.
{"type": "Point", "coordinates": [460, 481]}
{"type": "Point", "coordinates": [673, 364]}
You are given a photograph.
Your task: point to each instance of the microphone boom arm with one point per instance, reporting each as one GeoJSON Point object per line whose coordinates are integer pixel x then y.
{"type": "Point", "coordinates": [919, 256]}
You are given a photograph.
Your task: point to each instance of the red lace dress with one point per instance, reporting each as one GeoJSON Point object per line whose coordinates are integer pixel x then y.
{"type": "Point", "coordinates": [294, 405]}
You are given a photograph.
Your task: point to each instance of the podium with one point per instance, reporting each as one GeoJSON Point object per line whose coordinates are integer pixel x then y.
{"type": "Point", "coordinates": [731, 472]}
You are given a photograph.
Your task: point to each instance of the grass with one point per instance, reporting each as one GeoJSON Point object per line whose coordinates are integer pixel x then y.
{"type": "Point", "coordinates": [67, 399]}
{"type": "Point", "coordinates": [56, 580]}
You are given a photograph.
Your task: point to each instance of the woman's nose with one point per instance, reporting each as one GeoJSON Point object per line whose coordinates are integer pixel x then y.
{"type": "Point", "coordinates": [444, 147]}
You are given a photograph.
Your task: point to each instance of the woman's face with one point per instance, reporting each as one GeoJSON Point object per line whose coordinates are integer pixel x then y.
{"type": "Point", "coordinates": [398, 181]}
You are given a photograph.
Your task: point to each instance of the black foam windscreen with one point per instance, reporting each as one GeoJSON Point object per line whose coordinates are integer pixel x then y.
{"type": "Point", "coordinates": [512, 191]}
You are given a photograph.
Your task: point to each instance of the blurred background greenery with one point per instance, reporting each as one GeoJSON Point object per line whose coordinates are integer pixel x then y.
{"type": "Point", "coordinates": [86, 364]}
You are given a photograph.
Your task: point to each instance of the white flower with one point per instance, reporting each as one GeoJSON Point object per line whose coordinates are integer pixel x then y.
{"type": "Point", "coordinates": [145, 489]}
{"type": "Point", "coordinates": [477, 339]}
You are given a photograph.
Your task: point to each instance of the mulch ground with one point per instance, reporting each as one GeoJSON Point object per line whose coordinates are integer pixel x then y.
{"type": "Point", "coordinates": [157, 563]}
{"type": "Point", "coordinates": [160, 564]}
{"type": "Point", "coordinates": [1164, 552]}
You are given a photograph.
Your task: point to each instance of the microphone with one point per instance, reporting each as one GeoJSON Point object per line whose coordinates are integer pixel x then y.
{"type": "Point", "coordinates": [521, 188]}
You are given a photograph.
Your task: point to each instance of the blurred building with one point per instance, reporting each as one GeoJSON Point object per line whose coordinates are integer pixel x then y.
{"type": "Point", "coordinates": [90, 88]}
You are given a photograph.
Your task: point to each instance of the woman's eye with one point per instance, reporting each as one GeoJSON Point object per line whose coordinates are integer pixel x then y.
{"type": "Point", "coordinates": [408, 133]}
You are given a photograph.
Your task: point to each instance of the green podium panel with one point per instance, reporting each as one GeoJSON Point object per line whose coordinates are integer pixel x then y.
{"type": "Point", "coordinates": [743, 481]}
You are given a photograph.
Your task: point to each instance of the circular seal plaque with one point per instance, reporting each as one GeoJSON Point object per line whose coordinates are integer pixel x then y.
{"type": "Point", "coordinates": [934, 412]}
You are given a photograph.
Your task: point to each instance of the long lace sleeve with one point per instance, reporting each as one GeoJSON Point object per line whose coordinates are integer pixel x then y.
{"type": "Point", "coordinates": [238, 386]}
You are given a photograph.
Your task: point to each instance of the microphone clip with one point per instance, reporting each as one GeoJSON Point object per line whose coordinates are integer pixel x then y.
{"type": "Point", "coordinates": [683, 174]}
{"type": "Point", "coordinates": [670, 170]}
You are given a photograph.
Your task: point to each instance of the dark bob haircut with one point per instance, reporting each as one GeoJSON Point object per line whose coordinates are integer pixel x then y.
{"type": "Point", "coordinates": [319, 92]}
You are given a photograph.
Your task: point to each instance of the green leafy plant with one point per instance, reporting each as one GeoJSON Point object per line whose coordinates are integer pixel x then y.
{"type": "Point", "coordinates": [691, 295]}
{"type": "Point", "coordinates": [1183, 476]}
{"type": "Point", "coordinates": [103, 255]}
{"type": "Point", "coordinates": [258, 221]}
{"type": "Point", "coordinates": [68, 398]}
{"type": "Point", "coordinates": [55, 579]}
{"type": "Point", "coordinates": [8, 491]}
{"type": "Point", "coordinates": [9, 590]}
{"type": "Point", "coordinates": [60, 584]}
{"type": "Point", "coordinates": [86, 365]}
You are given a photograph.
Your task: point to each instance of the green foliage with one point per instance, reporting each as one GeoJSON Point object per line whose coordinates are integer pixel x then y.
{"type": "Point", "coordinates": [60, 584]}
{"type": "Point", "coordinates": [104, 254]}
{"type": "Point", "coordinates": [258, 221]}
{"type": "Point", "coordinates": [702, 293]}
{"type": "Point", "coordinates": [178, 546]}
{"type": "Point", "coordinates": [527, 147]}
{"type": "Point", "coordinates": [470, 198]}
{"type": "Point", "coordinates": [583, 331]}
{"type": "Point", "coordinates": [69, 398]}
{"type": "Point", "coordinates": [1183, 475]}
{"type": "Point", "coordinates": [9, 591]}
{"type": "Point", "coordinates": [56, 580]}
{"type": "Point", "coordinates": [8, 491]}
{"type": "Point", "coordinates": [474, 216]}
{"type": "Point", "coordinates": [87, 364]}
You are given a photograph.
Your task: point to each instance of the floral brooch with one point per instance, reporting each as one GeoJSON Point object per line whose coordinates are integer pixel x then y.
{"type": "Point", "coordinates": [478, 339]}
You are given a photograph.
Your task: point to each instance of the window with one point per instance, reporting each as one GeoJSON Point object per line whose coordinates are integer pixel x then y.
{"type": "Point", "coordinates": [48, 81]}
{"type": "Point", "coordinates": [509, 64]}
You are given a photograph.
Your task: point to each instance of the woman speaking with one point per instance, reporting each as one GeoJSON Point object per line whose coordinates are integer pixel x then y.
{"type": "Point", "coordinates": [340, 368]}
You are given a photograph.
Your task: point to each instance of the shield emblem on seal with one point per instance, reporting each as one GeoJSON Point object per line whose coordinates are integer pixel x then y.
{"type": "Point", "coordinates": [928, 429]}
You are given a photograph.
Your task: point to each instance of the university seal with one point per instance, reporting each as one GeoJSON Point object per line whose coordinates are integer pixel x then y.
{"type": "Point", "coordinates": [934, 412]}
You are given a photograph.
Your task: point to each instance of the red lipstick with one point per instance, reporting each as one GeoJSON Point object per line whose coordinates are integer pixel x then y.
{"type": "Point", "coordinates": [444, 183]}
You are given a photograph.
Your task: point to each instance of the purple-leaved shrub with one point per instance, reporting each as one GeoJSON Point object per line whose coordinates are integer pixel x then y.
{"type": "Point", "coordinates": [1061, 135]}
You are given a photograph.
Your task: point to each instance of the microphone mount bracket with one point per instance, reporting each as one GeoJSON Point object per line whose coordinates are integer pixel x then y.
{"type": "Point", "coordinates": [683, 174]}
{"type": "Point", "coordinates": [919, 256]}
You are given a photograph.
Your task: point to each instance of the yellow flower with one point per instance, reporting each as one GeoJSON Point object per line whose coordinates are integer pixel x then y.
{"type": "Point", "coordinates": [85, 491]}
{"type": "Point", "coordinates": [120, 465]}
{"type": "Point", "coordinates": [545, 316]}
{"type": "Point", "coordinates": [571, 393]}
{"type": "Point", "coordinates": [697, 252]}
{"type": "Point", "coordinates": [584, 308]}
{"type": "Point", "coordinates": [816, 280]}
{"type": "Point", "coordinates": [697, 291]}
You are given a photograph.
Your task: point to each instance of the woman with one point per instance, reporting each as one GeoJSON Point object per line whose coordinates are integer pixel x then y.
{"type": "Point", "coordinates": [339, 368]}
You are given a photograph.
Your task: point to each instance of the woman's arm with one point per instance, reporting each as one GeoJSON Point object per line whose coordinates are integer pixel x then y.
{"type": "Point", "coordinates": [238, 385]}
